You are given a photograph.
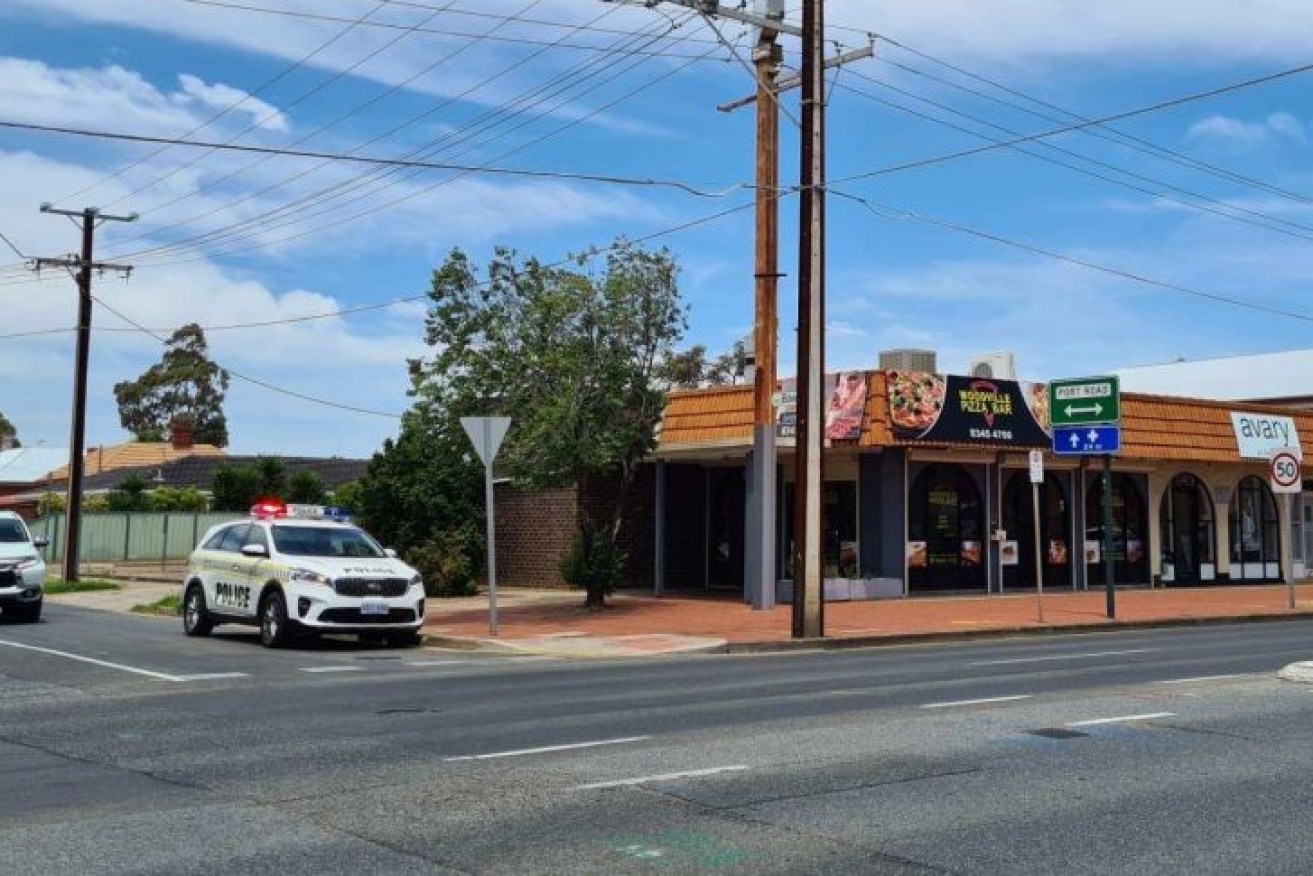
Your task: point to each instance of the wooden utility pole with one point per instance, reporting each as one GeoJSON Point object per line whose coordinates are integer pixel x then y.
{"type": "Point", "coordinates": [808, 569]}
{"type": "Point", "coordinates": [766, 59]}
{"type": "Point", "coordinates": [91, 218]}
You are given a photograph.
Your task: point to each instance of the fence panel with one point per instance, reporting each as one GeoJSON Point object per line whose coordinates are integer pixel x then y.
{"type": "Point", "coordinates": [130, 537]}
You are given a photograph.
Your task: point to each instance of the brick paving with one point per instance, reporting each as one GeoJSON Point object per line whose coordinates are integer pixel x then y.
{"type": "Point", "coordinates": [727, 618]}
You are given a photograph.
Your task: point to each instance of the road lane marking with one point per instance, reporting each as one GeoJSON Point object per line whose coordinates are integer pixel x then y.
{"type": "Point", "coordinates": [436, 662]}
{"type": "Point", "coordinates": [547, 749]}
{"type": "Point", "coordinates": [211, 676]}
{"type": "Point", "coordinates": [978, 702]}
{"type": "Point", "coordinates": [332, 668]}
{"type": "Point", "coordinates": [1061, 657]}
{"type": "Point", "coordinates": [1206, 678]}
{"type": "Point", "coordinates": [661, 777]}
{"type": "Point", "coordinates": [1121, 719]}
{"type": "Point", "coordinates": [149, 673]}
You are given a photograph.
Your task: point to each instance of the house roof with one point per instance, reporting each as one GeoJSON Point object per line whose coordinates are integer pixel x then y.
{"type": "Point", "coordinates": [1154, 427]}
{"type": "Point", "coordinates": [1282, 375]}
{"type": "Point", "coordinates": [136, 454]}
{"type": "Point", "coordinates": [29, 465]}
{"type": "Point", "coordinates": [198, 471]}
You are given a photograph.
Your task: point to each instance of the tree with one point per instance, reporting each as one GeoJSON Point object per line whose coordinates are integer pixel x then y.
{"type": "Point", "coordinates": [7, 430]}
{"type": "Point", "coordinates": [235, 488]}
{"type": "Point", "coordinates": [185, 386]}
{"type": "Point", "coordinates": [273, 476]}
{"type": "Point", "coordinates": [691, 369]}
{"type": "Point", "coordinates": [130, 495]}
{"type": "Point", "coordinates": [306, 487]}
{"type": "Point", "coordinates": [573, 357]}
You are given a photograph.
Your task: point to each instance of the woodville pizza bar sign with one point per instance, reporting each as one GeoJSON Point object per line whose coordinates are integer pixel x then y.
{"type": "Point", "coordinates": [967, 410]}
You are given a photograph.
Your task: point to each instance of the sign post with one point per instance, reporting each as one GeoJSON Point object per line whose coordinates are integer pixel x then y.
{"type": "Point", "coordinates": [486, 433]}
{"type": "Point", "coordinates": [1037, 478]}
{"type": "Point", "coordinates": [1288, 480]}
{"type": "Point", "coordinates": [1086, 416]}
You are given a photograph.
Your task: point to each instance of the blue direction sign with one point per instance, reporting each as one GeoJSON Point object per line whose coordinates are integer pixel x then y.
{"type": "Point", "coordinates": [1081, 440]}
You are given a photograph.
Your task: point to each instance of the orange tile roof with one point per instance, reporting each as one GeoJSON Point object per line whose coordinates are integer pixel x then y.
{"type": "Point", "coordinates": [1154, 427]}
{"type": "Point", "coordinates": [133, 454]}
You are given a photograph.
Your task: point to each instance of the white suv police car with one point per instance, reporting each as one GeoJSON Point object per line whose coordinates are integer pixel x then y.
{"type": "Point", "coordinates": [22, 570]}
{"type": "Point", "coordinates": [296, 569]}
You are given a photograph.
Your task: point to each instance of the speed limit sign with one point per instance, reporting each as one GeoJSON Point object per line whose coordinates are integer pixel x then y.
{"type": "Point", "coordinates": [1286, 477]}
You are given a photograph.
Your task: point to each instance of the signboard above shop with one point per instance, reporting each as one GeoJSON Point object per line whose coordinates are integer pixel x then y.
{"type": "Point", "coordinates": [845, 406]}
{"type": "Point", "coordinates": [941, 408]}
{"type": "Point", "coordinates": [1257, 435]}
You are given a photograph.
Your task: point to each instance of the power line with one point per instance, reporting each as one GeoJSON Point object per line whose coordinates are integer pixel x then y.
{"type": "Point", "coordinates": [1226, 207]}
{"type": "Point", "coordinates": [894, 213]}
{"type": "Point", "coordinates": [1080, 126]}
{"type": "Point", "coordinates": [375, 160]}
{"type": "Point", "coordinates": [18, 252]}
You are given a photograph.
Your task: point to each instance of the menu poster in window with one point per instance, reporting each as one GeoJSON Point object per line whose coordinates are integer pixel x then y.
{"type": "Point", "coordinates": [1057, 552]}
{"type": "Point", "coordinates": [916, 555]}
{"type": "Point", "coordinates": [968, 410]}
{"type": "Point", "coordinates": [1008, 553]}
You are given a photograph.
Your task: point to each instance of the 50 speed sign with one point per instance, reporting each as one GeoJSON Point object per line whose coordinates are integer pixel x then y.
{"type": "Point", "coordinates": [1285, 471]}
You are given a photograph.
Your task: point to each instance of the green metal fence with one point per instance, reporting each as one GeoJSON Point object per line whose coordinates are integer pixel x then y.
{"type": "Point", "coordinates": [130, 537]}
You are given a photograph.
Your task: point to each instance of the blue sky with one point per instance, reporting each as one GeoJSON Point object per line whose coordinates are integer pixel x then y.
{"type": "Point", "coordinates": [622, 94]}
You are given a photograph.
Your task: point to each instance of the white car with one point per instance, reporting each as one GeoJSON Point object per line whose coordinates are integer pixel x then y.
{"type": "Point", "coordinates": [291, 569]}
{"type": "Point", "coordinates": [22, 569]}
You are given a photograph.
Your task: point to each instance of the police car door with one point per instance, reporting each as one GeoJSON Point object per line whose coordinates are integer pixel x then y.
{"type": "Point", "coordinates": [234, 592]}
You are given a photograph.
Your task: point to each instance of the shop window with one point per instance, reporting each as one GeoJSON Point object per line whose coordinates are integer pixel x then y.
{"type": "Point", "coordinates": [945, 547]}
{"type": "Point", "coordinates": [1130, 559]}
{"type": "Point", "coordinates": [839, 521]}
{"type": "Point", "coordinates": [1255, 532]}
{"type": "Point", "coordinates": [1186, 526]}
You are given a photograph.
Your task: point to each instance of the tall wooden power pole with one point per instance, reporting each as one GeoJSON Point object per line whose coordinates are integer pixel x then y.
{"type": "Point", "coordinates": [91, 218]}
{"type": "Point", "coordinates": [808, 569]}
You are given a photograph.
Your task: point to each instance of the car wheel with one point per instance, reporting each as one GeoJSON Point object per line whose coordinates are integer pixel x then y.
{"type": "Point", "coordinates": [273, 621]}
{"type": "Point", "coordinates": [29, 614]}
{"type": "Point", "coordinates": [407, 639]}
{"type": "Point", "coordinates": [196, 620]}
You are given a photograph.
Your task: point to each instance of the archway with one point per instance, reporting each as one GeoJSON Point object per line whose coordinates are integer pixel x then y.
{"type": "Point", "coordinates": [946, 527]}
{"type": "Point", "coordinates": [1130, 558]}
{"type": "Point", "coordinates": [1255, 532]}
{"type": "Point", "coordinates": [1185, 521]}
{"type": "Point", "coordinates": [1018, 552]}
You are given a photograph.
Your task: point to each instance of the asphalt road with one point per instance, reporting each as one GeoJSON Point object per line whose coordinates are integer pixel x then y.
{"type": "Point", "coordinates": [127, 748]}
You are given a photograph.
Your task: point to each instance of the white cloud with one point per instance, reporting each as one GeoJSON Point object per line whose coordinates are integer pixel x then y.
{"type": "Point", "coordinates": [1224, 129]}
{"type": "Point", "coordinates": [228, 99]}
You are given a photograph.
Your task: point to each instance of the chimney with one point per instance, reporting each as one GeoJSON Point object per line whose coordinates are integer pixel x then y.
{"type": "Point", "coordinates": [181, 435]}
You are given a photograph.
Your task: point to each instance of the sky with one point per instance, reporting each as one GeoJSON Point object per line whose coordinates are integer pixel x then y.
{"type": "Point", "coordinates": [1210, 199]}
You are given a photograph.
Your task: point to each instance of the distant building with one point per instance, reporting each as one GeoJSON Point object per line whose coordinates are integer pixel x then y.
{"type": "Point", "coordinates": [1284, 379]}
{"type": "Point", "coordinates": [24, 471]}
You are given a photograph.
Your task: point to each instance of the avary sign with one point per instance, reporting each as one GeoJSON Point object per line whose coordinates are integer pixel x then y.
{"type": "Point", "coordinates": [1257, 435]}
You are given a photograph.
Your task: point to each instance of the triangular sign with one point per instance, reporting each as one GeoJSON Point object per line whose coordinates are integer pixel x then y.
{"type": "Point", "coordinates": [486, 433]}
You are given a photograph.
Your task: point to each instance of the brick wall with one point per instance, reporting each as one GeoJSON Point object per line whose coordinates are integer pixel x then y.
{"type": "Point", "coordinates": [533, 533]}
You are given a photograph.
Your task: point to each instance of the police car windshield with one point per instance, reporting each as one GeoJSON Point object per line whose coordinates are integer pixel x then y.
{"type": "Point", "coordinates": [324, 541]}
{"type": "Point", "coordinates": [11, 532]}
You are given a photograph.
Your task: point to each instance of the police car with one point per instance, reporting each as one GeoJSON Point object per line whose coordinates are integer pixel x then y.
{"type": "Point", "coordinates": [300, 569]}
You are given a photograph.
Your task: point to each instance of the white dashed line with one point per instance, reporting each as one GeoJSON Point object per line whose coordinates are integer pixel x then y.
{"type": "Point", "coordinates": [976, 702]}
{"type": "Point", "coordinates": [436, 662]}
{"type": "Point", "coordinates": [662, 777]}
{"type": "Point", "coordinates": [211, 676]}
{"type": "Point", "coordinates": [1206, 678]}
{"type": "Point", "coordinates": [1122, 719]}
{"type": "Point", "coordinates": [547, 749]}
{"type": "Point", "coordinates": [1061, 657]}
{"type": "Point", "coordinates": [332, 668]}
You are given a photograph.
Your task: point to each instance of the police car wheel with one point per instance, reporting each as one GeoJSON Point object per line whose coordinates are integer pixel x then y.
{"type": "Point", "coordinates": [273, 621]}
{"type": "Point", "coordinates": [403, 640]}
{"type": "Point", "coordinates": [196, 619]}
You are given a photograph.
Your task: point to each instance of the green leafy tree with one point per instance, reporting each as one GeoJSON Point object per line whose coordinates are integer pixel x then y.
{"type": "Point", "coordinates": [7, 430]}
{"type": "Point", "coordinates": [273, 476]}
{"type": "Point", "coordinates": [306, 487]}
{"type": "Point", "coordinates": [691, 369]}
{"type": "Point", "coordinates": [186, 499]}
{"type": "Point", "coordinates": [130, 496]}
{"type": "Point", "coordinates": [347, 496]}
{"type": "Point", "coordinates": [185, 386]}
{"type": "Point", "coordinates": [235, 488]}
{"type": "Point", "coordinates": [575, 358]}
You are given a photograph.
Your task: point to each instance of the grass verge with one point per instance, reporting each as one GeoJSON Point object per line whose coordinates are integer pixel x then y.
{"type": "Point", "coordinates": [170, 605]}
{"type": "Point", "coordinates": [54, 588]}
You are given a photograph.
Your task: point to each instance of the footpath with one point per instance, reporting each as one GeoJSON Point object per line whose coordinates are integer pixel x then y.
{"type": "Point", "coordinates": [554, 622]}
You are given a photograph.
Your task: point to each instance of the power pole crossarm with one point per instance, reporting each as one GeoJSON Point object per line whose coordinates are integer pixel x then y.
{"type": "Point", "coordinates": [710, 7]}
{"type": "Point", "coordinates": [91, 218]}
{"type": "Point", "coordinates": [793, 80]}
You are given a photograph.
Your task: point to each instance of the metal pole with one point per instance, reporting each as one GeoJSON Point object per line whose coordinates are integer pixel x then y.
{"type": "Point", "coordinates": [808, 588]}
{"type": "Point", "coordinates": [1039, 554]}
{"type": "Point", "coordinates": [1287, 555]}
{"type": "Point", "coordinates": [164, 548]}
{"type": "Point", "coordinates": [492, 547]}
{"type": "Point", "coordinates": [1107, 538]}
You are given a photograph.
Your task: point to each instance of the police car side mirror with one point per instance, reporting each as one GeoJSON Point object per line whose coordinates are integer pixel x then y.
{"type": "Point", "coordinates": [254, 550]}
{"type": "Point", "coordinates": [40, 541]}
{"type": "Point", "coordinates": [390, 552]}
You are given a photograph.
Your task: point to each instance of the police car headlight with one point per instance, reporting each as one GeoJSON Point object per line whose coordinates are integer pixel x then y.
{"type": "Point", "coordinates": [309, 576]}
{"type": "Point", "coordinates": [28, 562]}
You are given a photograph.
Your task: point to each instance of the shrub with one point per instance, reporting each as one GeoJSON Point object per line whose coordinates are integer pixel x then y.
{"type": "Point", "coordinates": [444, 561]}
{"type": "Point", "coordinates": [594, 564]}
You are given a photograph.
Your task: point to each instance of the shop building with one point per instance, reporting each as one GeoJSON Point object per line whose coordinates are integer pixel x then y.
{"type": "Point", "coordinates": [927, 490]}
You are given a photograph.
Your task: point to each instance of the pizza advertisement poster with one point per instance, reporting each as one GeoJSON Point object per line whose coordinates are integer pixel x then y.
{"type": "Point", "coordinates": [968, 410]}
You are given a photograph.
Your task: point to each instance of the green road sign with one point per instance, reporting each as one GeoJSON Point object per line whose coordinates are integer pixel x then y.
{"type": "Point", "coordinates": [1086, 401]}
